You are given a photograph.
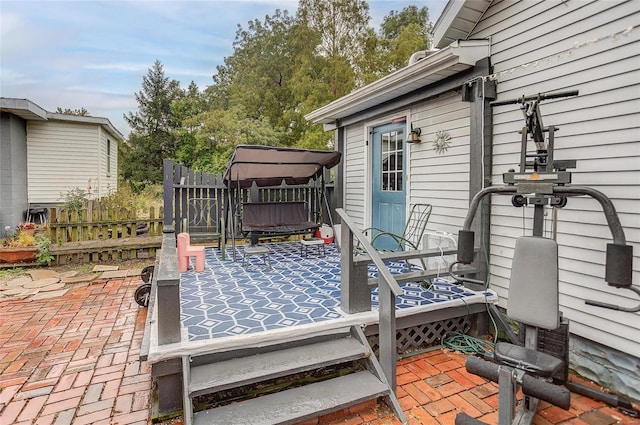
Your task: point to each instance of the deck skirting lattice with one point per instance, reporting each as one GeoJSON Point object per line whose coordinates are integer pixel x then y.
{"type": "Point", "coordinates": [425, 335]}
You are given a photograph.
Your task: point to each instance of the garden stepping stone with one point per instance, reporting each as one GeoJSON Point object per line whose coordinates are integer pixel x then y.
{"type": "Point", "coordinates": [114, 274]}
{"type": "Point", "coordinates": [54, 287]}
{"type": "Point", "coordinates": [100, 268]}
{"type": "Point", "coordinates": [19, 281]}
{"type": "Point", "coordinates": [79, 279]}
{"type": "Point", "coordinates": [52, 294]}
{"type": "Point", "coordinates": [19, 292]}
{"type": "Point", "coordinates": [134, 272]}
{"type": "Point", "coordinates": [70, 273]}
{"type": "Point", "coordinates": [41, 283]}
{"type": "Point", "coordinates": [42, 274]}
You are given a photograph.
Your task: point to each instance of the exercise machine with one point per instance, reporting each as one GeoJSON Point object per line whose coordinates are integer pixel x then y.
{"type": "Point", "coordinates": [533, 291]}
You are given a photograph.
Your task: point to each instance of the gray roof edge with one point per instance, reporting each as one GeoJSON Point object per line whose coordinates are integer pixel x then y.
{"type": "Point", "coordinates": [23, 104]}
{"type": "Point", "coordinates": [463, 51]}
{"type": "Point", "coordinates": [83, 119]}
{"type": "Point", "coordinates": [445, 20]}
{"type": "Point", "coordinates": [454, 11]}
{"type": "Point", "coordinates": [14, 104]}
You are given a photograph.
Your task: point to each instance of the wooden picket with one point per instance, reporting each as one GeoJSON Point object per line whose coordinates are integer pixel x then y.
{"type": "Point", "coordinates": [98, 234]}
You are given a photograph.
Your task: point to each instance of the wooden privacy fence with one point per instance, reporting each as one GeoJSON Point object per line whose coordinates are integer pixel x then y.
{"type": "Point", "coordinates": [102, 235]}
{"type": "Point", "coordinates": [198, 202]}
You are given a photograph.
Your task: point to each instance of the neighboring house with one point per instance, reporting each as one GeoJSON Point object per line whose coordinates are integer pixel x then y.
{"type": "Point", "coordinates": [44, 155]}
{"type": "Point", "coordinates": [501, 50]}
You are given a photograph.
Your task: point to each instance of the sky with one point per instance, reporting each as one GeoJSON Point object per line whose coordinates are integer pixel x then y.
{"type": "Point", "coordinates": [94, 53]}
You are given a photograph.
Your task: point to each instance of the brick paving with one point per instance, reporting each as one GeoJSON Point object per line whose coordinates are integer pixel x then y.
{"type": "Point", "coordinates": [434, 387]}
{"type": "Point", "coordinates": [73, 359]}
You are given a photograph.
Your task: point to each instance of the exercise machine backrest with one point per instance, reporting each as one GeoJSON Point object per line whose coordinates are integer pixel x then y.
{"type": "Point", "coordinates": [533, 289]}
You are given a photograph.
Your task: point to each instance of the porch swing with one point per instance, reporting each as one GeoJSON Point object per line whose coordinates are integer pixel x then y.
{"type": "Point", "coordinates": [270, 166]}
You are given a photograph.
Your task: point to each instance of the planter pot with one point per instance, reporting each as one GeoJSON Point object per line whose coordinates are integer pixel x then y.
{"type": "Point", "coordinates": [17, 255]}
{"type": "Point", "coordinates": [29, 232]}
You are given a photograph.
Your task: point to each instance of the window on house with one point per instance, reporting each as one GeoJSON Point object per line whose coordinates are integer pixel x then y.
{"type": "Point", "coordinates": [108, 156]}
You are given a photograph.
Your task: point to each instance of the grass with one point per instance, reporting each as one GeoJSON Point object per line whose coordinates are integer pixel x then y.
{"type": "Point", "coordinates": [8, 274]}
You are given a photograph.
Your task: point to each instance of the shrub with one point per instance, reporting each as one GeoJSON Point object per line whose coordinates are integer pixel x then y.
{"type": "Point", "coordinates": [122, 199]}
{"type": "Point", "coordinates": [74, 199]}
{"type": "Point", "coordinates": [44, 255]}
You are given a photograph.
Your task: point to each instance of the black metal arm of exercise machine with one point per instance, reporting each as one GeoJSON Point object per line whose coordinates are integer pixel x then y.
{"type": "Point", "coordinates": [549, 182]}
{"type": "Point", "coordinates": [619, 258]}
{"type": "Point", "coordinates": [532, 116]}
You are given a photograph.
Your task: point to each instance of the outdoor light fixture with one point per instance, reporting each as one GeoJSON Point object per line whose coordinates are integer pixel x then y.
{"type": "Point", "coordinates": [414, 135]}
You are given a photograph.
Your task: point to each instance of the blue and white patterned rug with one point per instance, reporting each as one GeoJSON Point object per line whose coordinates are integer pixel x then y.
{"type": "Point", "coordinates": [228, 299]}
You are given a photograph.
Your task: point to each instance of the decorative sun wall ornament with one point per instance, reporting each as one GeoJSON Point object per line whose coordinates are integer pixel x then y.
{"type": "Point", "coordinates": [441, 142]}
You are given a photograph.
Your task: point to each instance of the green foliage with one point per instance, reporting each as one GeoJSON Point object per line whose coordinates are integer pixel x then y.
{"type": "Point", "coordinates": [44, 255]}
{"type": "Point", "coordinates": [11, 273]}
{"type": "Point", "coordinates": [282, 68]}
{"type": "Point", "coordinates": [151, 139]}
{"type": "Point", "coordinates": [74, 199]}
{"type": "Point", "coordinates": [122, 199]}
{"type": "Point", "coordinates": [80, 112]}
{"type": "Point", "coordinates": [401, 34]}
{"type": "Point", "coordinates": [342, 25]}
{"type": "Point", "coordinates": [19, 240]}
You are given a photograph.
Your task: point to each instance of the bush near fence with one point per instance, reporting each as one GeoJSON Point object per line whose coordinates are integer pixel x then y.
{"type": "Point", "coordinates": [99, 234]}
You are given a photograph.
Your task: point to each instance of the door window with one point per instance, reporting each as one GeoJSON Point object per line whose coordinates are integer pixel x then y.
{"type": "Point", "coordinates": [391, 161]}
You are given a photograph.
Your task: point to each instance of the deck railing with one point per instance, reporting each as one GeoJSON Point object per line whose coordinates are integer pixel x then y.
{"type": "Point", "coordinates": [209, 214]}
{"type": "Point", "coordinates": [355, 295]}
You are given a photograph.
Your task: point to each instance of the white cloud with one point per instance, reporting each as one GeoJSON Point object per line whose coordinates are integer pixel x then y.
{"type": "Point", "coordinates": [122, 67]}
{"type": "Point", "coordinates": [11, 77]}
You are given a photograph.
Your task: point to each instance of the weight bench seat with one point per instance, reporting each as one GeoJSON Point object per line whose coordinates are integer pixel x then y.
{"type": "Point", "coordinates": [527, 359]}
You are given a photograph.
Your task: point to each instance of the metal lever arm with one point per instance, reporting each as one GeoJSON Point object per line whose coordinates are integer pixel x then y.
{"type": "Point", "coordinates": [617, 307]}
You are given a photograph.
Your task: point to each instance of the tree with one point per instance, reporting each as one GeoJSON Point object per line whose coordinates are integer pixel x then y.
{"type": "Point", "coordinates": [258, 78]}
{"type": "Point", "coordinates": [404, 33]}
{"type": "Point", "coordinates": [401, 35]}
{"type": "Point", "coordinates": [151, 139]}
{"type": "Point", "coordinates": [82, 112]}
{"type": "Point", "coordinates": [341, 24]}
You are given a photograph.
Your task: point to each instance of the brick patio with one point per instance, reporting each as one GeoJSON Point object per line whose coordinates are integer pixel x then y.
{"type": "Point", "coordinates": [73, 359]}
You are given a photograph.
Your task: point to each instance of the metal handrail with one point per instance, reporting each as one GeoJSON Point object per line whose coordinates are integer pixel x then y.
{"type": "Point", "coordinates": [388, 289]}
{"type": "Point", "coordinates": [371, 251]}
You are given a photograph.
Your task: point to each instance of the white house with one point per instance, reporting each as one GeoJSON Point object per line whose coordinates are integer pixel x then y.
{"type": "Point", "coordinates": [492, 49]}
{"type": "Point", "coordinates": [44, 154]}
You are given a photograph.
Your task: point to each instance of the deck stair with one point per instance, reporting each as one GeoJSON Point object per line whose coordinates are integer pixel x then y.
{"type": "Point", "coordinates": [220, 372]}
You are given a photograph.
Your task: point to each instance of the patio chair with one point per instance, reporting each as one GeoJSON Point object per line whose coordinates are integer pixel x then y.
{"type": "Point", "coordinates": [411, 237]}
{"type": "Point", "coordinates": [185, 251]}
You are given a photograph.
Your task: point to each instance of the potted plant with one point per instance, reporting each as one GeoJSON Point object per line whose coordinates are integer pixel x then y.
{"type": "Point", "coordinates": [19, 247]}
{"type": "Point", "coordinates": [27, 228]}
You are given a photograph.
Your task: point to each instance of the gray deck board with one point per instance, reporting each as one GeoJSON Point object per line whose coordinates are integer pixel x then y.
{"type": "Point", "coordinates": [209, 378]}
{"type": "Point", "coordinates": [298, 404]}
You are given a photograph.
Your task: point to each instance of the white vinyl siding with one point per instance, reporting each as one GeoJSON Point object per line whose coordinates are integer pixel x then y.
{"type": "Point", "coordinates": [599, 128]}
{"type": "Point", "coordinates": [355, 184]}
{"type": "Point", "coordinates": [65, 155]}
{"type": "Point", "coordinates": [108, 165]}
{"type": "Point", "coordinates": [60, 157]}
{"type": "Point", "coordinates": [441, 180]}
